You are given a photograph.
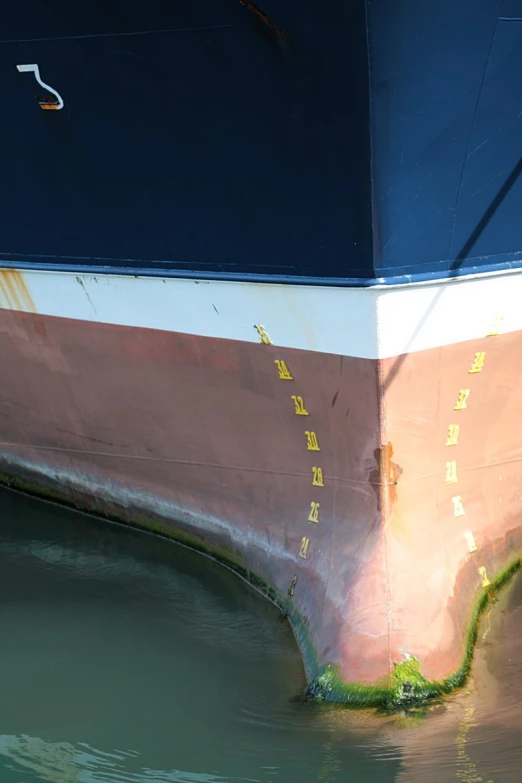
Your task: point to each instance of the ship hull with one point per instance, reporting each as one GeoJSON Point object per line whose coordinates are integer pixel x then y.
{"type": "Point", "coordinates": [249, 254]}
{"type": "Point", "coordinates": [321, 477]}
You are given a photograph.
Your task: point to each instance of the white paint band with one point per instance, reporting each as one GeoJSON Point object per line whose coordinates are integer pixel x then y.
{"type": "Point", "coordinates": [376, 322]}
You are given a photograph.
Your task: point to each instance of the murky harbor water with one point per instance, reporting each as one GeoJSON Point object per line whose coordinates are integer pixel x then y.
{"type": "Point", "coordinates": [127, 659]}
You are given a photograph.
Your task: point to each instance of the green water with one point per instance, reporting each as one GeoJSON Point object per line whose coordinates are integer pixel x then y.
{"type": "Point", "coordinates": [128, 659]}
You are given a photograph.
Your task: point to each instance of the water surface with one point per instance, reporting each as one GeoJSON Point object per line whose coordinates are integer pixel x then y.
{"type": "Point", "coordinates": [128, 659]}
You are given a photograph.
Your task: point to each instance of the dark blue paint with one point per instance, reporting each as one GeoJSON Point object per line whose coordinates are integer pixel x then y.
{"type": "Point", "coordinates": [447, 109]}
{"type": "Point", "coordinates": [219, 149]}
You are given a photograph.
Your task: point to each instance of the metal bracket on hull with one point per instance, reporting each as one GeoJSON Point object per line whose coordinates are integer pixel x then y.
{"type": "Point", "coordinates": [48, 104]}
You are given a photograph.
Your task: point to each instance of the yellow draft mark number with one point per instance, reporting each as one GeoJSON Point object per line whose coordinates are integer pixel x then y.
{"type": "Point", "coordinates": [284, 372]}
{"type": "Point", "coordinates": [313, 516]}
{"type": "Point", "coordinates": [451, 472]}
{"type": "Point", "coordinates": [484, 576]}
{"type": "Point", "coordinates": [300, 409]}
{"type": "Point", "coordinates": [453, 435]}
{"type": "Point", "coordinates": [312, 444]}
{"type": "Point", "coordinates": [317, 477]}
{"type": "Point", "coordinates": [305, 543]}
{"type": "Point", "coordinates": [462, 402]}
{"type": "Point", "coordinates": [497, 324]}
{"type": "Point", "coordinates": [470, 541]}
{"type": "Point", "coordinates": [478, 362]}
{"type": "Point", "coordinates": [264, 339]}
{"type": "Point", "coordinates": [458, 508]}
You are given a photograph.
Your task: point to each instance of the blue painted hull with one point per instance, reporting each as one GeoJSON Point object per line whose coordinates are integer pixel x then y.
{"type": "Point", "coordinates": [329, 141]}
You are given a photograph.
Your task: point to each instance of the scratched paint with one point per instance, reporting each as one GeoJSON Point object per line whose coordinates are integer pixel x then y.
{"type": "Point", "coordinates": [14, 293]}
{"type": "Point", "coordinates": [263, 17]}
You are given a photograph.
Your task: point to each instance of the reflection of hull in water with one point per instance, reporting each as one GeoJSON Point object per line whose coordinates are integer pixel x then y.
{"type": "Point", "coordinates": [215, 168]}
{"type": "Point", "coordinates": [366, 540]}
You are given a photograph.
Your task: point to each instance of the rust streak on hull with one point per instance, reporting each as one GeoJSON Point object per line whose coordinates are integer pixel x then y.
{"type": "Point", "coordinates": [264, 18]}
{"type": "Point", "coordinates": [14, 293]}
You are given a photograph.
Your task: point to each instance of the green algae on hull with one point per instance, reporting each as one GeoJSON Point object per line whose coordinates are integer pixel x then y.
{"type": "Point", "coordinates": [406, 685]}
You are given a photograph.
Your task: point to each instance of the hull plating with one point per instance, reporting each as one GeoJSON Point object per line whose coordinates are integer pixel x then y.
{"type": "Point", "coordinates": [362, 540]}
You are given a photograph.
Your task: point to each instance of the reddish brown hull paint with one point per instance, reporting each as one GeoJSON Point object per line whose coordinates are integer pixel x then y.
{"type": "Point", "coordinates": [434, 578]}
{"type": "Point", "coordinates": [202, 433]}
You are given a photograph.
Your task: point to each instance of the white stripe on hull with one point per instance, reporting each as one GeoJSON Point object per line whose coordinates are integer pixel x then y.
{"type": "Point", "coordinates": [371, 323]}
